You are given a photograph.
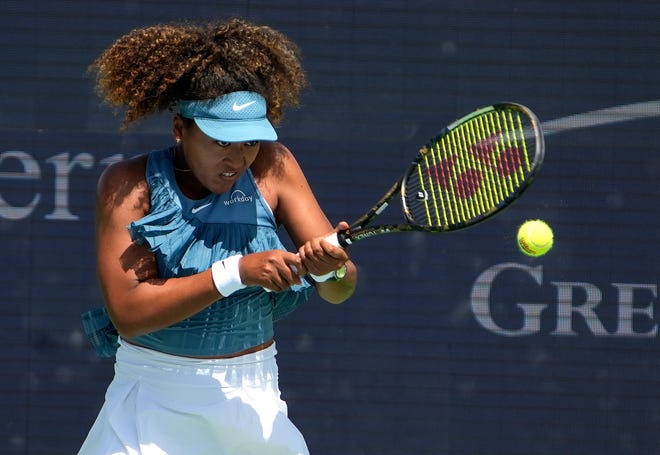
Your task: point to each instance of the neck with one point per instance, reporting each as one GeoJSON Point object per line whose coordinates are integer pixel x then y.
{"type": "Point", "coordinates": [179, 160]}
{"type": "Point", "coordinates": [188, 184]}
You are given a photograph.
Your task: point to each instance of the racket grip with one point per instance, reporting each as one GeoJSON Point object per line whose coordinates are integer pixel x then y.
{"type": "Point", "coordinates": [341, 239]}
{"type": "Point", "coordinates": [333, 239]}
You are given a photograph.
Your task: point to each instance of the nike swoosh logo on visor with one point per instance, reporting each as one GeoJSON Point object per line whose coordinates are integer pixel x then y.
{"type": "Point", "coordinates": [240, 107]}
{"type": "Point", "coordinates": [201, 207]}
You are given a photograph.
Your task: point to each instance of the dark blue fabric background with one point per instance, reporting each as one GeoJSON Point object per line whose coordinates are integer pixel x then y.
{"type": "Point", "coordinates": [404, 366]}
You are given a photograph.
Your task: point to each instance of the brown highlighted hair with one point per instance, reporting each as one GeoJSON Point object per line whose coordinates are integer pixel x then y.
{"type": "Point", "coordinates": [150, 69]}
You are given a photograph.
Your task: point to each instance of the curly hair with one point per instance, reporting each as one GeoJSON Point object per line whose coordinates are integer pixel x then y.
{"type": "Point", "coordinates": [150, 69]}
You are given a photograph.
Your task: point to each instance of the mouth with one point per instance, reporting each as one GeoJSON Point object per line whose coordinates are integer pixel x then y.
{"type": "Point", "coordinates": [228, 174]}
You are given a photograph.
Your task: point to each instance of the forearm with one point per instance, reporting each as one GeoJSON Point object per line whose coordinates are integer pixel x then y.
{"type": "Point", "coordinates": [149, 304]}
{"type": "Point", "coordinates": [157, 303]}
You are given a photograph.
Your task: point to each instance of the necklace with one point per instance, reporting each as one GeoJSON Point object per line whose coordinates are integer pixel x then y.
{"type": "Point", "coordinates": [176, 149]}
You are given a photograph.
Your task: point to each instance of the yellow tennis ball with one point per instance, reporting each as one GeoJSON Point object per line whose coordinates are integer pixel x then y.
{"type": "Point", "coordinates": [535, 238]}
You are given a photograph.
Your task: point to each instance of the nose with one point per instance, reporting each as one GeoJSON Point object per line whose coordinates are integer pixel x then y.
{"type": "Point", "coordinates": [236, 153]}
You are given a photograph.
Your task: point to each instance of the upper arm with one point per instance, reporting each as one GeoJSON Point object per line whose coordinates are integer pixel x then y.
{"type": "Point", "coordinates": [297, 208]}
{"type": "Point", "coordinates": [122, 197]}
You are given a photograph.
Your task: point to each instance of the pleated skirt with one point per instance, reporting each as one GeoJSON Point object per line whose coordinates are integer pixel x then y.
{"type": "Point", "coordinates": [163, 404]}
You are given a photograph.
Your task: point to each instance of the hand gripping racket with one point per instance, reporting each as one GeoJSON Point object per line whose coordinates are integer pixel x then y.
{"type": "Point", "coordinates": [473, 169]}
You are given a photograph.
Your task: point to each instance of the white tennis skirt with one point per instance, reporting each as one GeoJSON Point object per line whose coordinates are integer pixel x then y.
{"type": "Point", "coordinates": [163, 404]}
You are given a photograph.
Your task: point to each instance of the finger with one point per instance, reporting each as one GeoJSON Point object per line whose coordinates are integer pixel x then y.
{"type": "Point", "coordinates": [293, 272]}
{"type": "Point", "coordinates": [342, 226]}
{"type": "Point", "coordinates": [296, 264]}
{"type": "Point", "coordinates": [334, 253]}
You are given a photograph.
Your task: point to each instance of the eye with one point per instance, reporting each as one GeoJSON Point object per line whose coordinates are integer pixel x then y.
{"type": "Point", "coordinates": [223, 143]}
{"type": "Point", "coordinates": [251, 143]}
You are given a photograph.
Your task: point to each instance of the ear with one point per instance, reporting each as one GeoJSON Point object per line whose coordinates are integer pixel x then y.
{"type": "Point", "coordinates": [177, 127]}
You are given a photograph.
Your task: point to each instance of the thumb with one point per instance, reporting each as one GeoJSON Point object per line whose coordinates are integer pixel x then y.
{"type": "Point", "coordinates": [342, 226]}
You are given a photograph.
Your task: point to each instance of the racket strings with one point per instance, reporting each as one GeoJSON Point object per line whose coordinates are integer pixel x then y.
{"type": "Point", "coordinates": [469, 172]}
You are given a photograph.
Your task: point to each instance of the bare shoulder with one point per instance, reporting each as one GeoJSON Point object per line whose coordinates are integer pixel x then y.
{"type": "Point", "coordinates": [123, 184]}
{"type": "Point", "coordinates": [274, 161]}
{"type": "Point", "coordinates": [280, 178]}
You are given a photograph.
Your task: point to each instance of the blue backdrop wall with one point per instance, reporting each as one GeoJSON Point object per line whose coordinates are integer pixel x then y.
{"type": "Point", "coordinates": [496, 353]}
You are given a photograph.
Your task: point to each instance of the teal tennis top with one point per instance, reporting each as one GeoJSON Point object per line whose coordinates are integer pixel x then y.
{"type": "Point", "coordinates": [187, 236]}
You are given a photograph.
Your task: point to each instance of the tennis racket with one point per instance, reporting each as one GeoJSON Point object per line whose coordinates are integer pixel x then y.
{"type": "Point", "coordinates": [473, 169]}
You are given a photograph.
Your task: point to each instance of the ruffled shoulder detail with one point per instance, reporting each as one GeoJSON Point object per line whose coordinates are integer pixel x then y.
{"type": "Point", "coordinates": [164, 229]}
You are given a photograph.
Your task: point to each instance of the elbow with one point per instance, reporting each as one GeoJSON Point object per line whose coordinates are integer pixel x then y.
{"type": "Point", "coordinates": [126, 323]}
{"type": "Point", "coordinates": [340, 297]}
{"type": "Point", "coordinates": [127, 329]}
{"type": "Point", "coordinates": [336, 300]}
{"type": "Point", "coordinates": [337, 292]}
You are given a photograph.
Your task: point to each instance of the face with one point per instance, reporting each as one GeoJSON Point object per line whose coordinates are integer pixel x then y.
{"type": "Point", "coordinates": [215, 165]}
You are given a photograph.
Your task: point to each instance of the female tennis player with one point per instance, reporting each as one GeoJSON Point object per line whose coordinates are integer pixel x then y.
{"type": "Point", "coordinates": [190, 264]}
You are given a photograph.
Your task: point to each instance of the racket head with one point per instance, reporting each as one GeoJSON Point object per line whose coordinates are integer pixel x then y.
{"type": "Point", "coordinates": [474, 168]}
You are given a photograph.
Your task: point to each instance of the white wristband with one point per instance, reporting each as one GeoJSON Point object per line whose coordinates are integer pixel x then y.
{"type": "Point", "coordinates": [323, 278]}
{"type": "Point", "coordinates": [226, 276]}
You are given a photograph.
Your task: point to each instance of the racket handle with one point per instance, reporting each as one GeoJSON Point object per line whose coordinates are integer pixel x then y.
{"type": "Point", "coordinates": [333, 239]}
{"type": "Point", "coordinates": [341, 238]}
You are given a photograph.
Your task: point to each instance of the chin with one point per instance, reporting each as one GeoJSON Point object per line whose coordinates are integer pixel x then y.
{"type": "Point", "coordinates": [220, 188]}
